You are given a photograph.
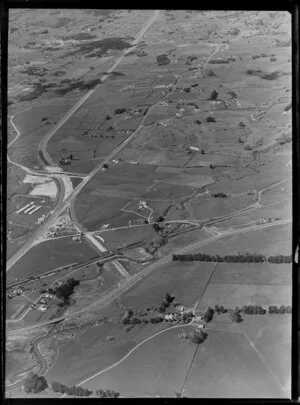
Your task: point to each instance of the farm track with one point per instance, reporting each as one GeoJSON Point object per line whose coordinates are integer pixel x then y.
{"type": "Point", "coordinates": [130, 352]}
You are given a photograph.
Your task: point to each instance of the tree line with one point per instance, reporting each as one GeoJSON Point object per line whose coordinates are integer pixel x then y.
{"type": "Point", "coordinates": [239, 258]}
{"type": "Point", "coordinates": [35, 384]}
{"type": "Point", "coordinates": [254, 309]}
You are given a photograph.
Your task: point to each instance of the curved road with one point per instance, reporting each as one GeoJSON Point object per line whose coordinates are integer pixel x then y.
{"type": "Point", "coordinates": [42, 148]}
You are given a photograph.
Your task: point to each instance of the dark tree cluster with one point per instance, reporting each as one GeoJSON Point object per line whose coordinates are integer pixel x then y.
{"type": "Point", "coordinates": [210, 119]}
{"type": "Point", "coordinates": [219, 195]}
{"type": "Point", "coordinates": [74, 390]}
{"type": "Point", "coordinates": [162, 60]}
{"type": "Point", "coordinates": [65, 290]}
{"type": "Point", "coordinates": [187, 317]}
{"type": "Point", "coordinates": [213, 95]}
{"type": "Point", "coordinates": [208, 315]}
{"type": "Point", "coordinates": [156, 243]}
{"type": "Point", "coordinates": [283, 309]}
{"type": "Point", "coordinates": [119, 111]}
{"type": "Point", "coordinates": [35, 384]}
{"type": "Point", "coordinates": [165, 303]}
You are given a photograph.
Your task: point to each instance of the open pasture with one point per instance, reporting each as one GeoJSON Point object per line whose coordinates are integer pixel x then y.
{"type": "Point", "coordinates": [107, 279]}
{"type": "Point", "coordinates": [280, 209]}
{"type": "Point", "coordinates": [253, 274]}
{"type": "Point", "coordinates": [269, 241]}
{"type": "Point", "coordinates": [210, 207]}
{"type": "Point", "coordinates": [15, 306]}
{"type": "Point", "coordinates": [232, 295]}
{"type": "Point", "coordinates": [185, 281]}
{"type": "Point", "coordinates": [49, 255]}
{"type": "Point", "coordinates": [94, 211]}
{"type": "Point", "coordinates": [158, 366]}
{"type": "Point", "coordinates": [226, 366]}
{"type": "Point", "coordinates": [90, 352]}
{"type": "Point", "coordinates": [272, 338]}
{"type": "Point", "coordinates": [163, 191]}
{"type": "Point", "coordinates": [272, 171]}
{"type": "Point", "coordinates": [162, 157]}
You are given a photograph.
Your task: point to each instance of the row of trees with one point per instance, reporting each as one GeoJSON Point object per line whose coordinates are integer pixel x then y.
{"type": "Point", "coordinates": [254, 309]}
{"type": "Point", "coordinates": [280, 259]}
{"type": "Point", "coordinates": [283, 309]}
{"type": "Point", "coordinates": [82, 392]}
{"type": "Point", "coordinates": [240, 258]}
{"type": "Point", "coordinates": [74, 390]}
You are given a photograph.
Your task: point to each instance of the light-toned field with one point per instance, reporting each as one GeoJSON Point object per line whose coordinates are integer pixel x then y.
{"type": "Point", "coordinates": [269, 241]}
{"type": "Point", "coordinates": [186, 282]}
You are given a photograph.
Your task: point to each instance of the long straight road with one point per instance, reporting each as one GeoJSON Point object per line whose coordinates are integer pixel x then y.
{"type": "Point", "coordinates": [143, 273]}
{"type": "Point", "coordinates": [43, 145]}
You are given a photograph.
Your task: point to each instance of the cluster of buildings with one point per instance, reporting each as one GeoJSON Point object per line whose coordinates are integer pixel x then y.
{"type": "Point", "coordinates": [59, 226]}
{"type": "Point", "coordinates": [43, 303]}
{"type": "Point", "coordinates": [142, 205]}
{"type": "Point", "coordinates": [15, 291]}
{"type": "Point", "coordinates": [29, 208]}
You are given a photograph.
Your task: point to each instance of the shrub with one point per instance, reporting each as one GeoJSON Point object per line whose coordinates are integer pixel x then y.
{"type": "Point", "coordinates": [198, 336]}
{"type": "Point", "coordinates": [119, 111]}
{"type": "Point", "coordinates": [210, 119]}
{"type": "Point", "coordinates": [213, 95]}
{"type": "Point", "coordinates": [168, 298]}
{"type": "Point", "coordinates": [211, 73]}
{"type": "Point", "coordinates": [162, 59]}
{"type": "Point", "coordinates": [219, 195]}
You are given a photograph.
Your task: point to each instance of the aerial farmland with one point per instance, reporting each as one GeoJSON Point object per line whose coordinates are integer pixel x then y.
{"type": "Point", "coordinates": [149, 204]}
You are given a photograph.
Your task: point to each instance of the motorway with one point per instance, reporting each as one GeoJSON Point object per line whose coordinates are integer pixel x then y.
{"type": "Point", "coordinates": [62, 205]}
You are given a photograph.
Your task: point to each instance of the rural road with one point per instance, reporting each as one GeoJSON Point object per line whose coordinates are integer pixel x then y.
{"type": "Point", "coordinates": [137, 277]}
{"type": "Point", "coordinates": [43, 145]}
{"type": "Point", "coordinates": [130, 352]}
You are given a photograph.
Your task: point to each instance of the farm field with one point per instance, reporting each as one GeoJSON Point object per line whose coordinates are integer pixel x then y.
{"type": "Point", "coordinates": [123, 237]}
{"type": "Point", "coordinates": [184, 281]}
{"type": "Point", "coordinates": [50, 255]}
{"type": "Point", "coordinates": [268, 241]}
{"type": "Point", "coordinates": [240, 372]}
{"type": "Point", "coordinates": [169, 129]}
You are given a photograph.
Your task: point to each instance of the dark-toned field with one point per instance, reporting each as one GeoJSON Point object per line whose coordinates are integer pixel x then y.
{"type": "Point", "coordinates": [49, 255]}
